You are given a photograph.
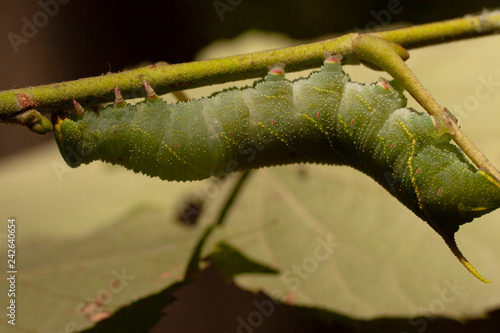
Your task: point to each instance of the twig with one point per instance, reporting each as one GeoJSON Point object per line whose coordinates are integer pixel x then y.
{"type": "Point", "coordinates": [94, 90]}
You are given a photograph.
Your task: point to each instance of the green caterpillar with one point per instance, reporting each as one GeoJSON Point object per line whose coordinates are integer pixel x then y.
{"type": "Point", "coordinates": [325, 118]}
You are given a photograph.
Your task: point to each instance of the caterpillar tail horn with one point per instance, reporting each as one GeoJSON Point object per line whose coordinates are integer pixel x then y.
{"type": "Point", "coordinates": [452, 244]}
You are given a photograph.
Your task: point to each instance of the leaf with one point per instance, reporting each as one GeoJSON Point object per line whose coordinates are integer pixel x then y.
{"type": "Point", "coordinates": [353, 249]}
{"type": "Point", "coordinates": [141, 315]}
{"type": "Point", "coordinates": [98, 240]}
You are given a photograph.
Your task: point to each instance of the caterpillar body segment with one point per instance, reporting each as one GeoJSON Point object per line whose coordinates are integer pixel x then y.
{"type": "Point", "coordinates": [324, 118]}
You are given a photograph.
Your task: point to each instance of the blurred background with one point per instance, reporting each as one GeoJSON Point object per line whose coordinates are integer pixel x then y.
{"type": "Point", "coordinates": [89, 38]}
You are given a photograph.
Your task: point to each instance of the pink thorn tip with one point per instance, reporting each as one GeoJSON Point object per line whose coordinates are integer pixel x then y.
{"type": "Point", "coordinates": [118, 96]}
{"type": "Point", "coordinates": [79, 109]}
{"type": "Point", "coordinates": [384, 83]}
{"type": "Point", "coordinates": [149, 90]}
{"type": "Point", "coordinates": [277, 69]}
{"type": "Point", "coordinates": [333, 58]}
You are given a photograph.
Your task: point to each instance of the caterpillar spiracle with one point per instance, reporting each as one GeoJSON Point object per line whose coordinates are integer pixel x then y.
{"type": "Point", "coordinates": [324, 118]}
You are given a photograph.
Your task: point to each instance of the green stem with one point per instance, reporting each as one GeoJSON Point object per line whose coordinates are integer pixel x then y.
{"type": "Point", "coordinates": [386, 55]}
{"type": "Point", "coordinates": [234, 193]}
{"type": "Point", "coordinates": [193, 265]}
{"type": "Point", "coordinates": [167, 78]}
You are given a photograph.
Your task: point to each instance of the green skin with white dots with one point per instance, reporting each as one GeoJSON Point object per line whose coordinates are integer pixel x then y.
{"type": "Point", "coordinates": [324, 118]}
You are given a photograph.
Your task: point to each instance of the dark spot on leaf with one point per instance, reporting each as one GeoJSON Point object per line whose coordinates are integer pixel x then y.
{"type": "Point", "coordinates": [302, 173]}
{"type": "Point", "coordinates": [190, 212]}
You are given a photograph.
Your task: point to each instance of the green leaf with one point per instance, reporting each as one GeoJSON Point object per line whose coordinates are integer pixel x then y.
{"type": "Point", "coordinates": [93, 242]}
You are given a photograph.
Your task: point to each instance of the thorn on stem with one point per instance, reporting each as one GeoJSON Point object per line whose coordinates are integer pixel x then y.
{"type": "Point", "coordinates": [149, 90]}
{"type": "Point", "coordinates": [118, 97]}
{"type": "Point", "coordinates": [79, 109]}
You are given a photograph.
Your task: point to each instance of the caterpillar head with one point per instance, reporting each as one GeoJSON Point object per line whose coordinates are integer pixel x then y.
{"type": "Point", "coordinates": [68, 137]}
